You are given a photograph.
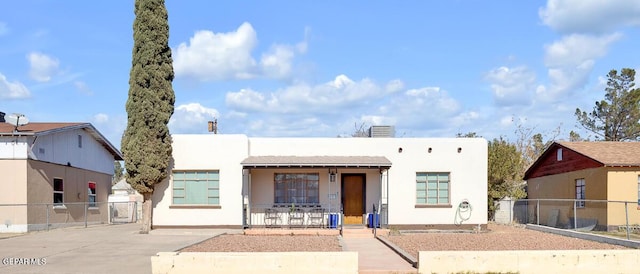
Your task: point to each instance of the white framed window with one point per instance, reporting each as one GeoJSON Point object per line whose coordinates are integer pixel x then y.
{"type": "Point", "coordinates": [433, 188]}
{"type": "Point", "coordinates": [559, 154]}
{"type": "Point", "coordinates": [58, 192]}
{"type": "Point", "coordinates": [296, 188]}
{"type": "Point", "coordinates": [580, 192]}
{"type": "Point", "coordinates": [201, 187]}
{"type": "Point", "coordinates": [91, 195]}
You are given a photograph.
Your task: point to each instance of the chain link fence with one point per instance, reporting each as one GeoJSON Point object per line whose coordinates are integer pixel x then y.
{"type": "Point", "coordinates": [19, 218]}
{"type": "Point", "coordinates": [580, 215]}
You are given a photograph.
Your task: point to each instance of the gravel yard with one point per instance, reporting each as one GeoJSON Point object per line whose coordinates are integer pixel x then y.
{"type": "Point", "coordinates": [263, 243]}
{"type": "Point", "coordinates": [499, 237]}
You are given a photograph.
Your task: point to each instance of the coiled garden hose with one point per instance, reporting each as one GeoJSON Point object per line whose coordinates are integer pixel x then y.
{"type": "Point", "coordinates": [463, 212]}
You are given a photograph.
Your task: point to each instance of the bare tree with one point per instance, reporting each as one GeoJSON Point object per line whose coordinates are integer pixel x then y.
{"type": "Point", "coordinates": [360, 130]}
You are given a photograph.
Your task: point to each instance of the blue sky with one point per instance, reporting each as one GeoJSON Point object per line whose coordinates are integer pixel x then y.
{"type": "Point", "coordinates": [318, 68]}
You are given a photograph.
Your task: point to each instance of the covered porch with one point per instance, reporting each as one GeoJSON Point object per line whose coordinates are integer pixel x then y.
{"type": "Point", "coordinates": [314, 191]}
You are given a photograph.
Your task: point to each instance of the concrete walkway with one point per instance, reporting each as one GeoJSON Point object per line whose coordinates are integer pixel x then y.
{"type": "Point", "coordinates": [375, 257]}
{"type": "Point", "coordinates": [121, 249]}
{"type": "Point", "coordinates": [96, 249]}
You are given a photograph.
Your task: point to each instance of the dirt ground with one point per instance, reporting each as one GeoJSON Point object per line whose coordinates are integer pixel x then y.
{"type": "Point", "coordinates": [498, 237]}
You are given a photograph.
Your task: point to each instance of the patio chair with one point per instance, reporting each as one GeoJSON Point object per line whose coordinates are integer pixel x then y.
{"type": "Point", "coordinates": [296, 217]}
{"type": "Point", "coordinates": [272, 217]}
{"type": "Point", "coordinates": [316, 217]}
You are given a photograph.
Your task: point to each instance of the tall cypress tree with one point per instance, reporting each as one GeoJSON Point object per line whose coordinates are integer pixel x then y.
{"type": "Point", "coordinates": [146, 142]}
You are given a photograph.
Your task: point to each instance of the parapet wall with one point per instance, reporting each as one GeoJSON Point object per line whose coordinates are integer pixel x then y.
{"type": "Point", "coordinates": [255, 262]}
{"type": "Point", "coordinates": [530, 261]}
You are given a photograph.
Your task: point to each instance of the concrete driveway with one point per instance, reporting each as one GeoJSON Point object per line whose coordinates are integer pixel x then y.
{"type": "Point", "coordinates": [96, 249]}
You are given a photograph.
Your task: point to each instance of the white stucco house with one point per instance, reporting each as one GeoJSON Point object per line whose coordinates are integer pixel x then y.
{"type": "Point", "coordinates": [239, 181]}
{"type": "Point", "coordinates": [125, 203]}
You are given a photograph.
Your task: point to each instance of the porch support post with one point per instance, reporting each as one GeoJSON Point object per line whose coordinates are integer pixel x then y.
{"type": "Point", "coordinates": [380, 201]}
{"type": "Point", "coordinates": [329, 191]}
{"type": "Point", "coordinates": [249, 197]}
{"type": "Point", "coordinates": [246, 175]}
{"type": "Point", "coordinates": [387, 203]}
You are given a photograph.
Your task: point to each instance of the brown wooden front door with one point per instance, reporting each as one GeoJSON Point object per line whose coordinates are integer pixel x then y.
{"type": "Point", "coordinates": [353, 198]}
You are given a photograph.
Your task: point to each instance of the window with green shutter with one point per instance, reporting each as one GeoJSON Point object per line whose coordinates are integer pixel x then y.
{"type": "Point", "coordinates": [200, 187]}
{"type": "Point", "coordinates": [432, 188]}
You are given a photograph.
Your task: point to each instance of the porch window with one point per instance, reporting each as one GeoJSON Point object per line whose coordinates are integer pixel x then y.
{"type": "Point", "coordinates": [92, 194]}
{"type": "Point", "coordinates": [58, 191]}
{"type": "Point", "coordinates": [200, 187]}
{"type": "Point", "coordinates": [432, 188]}
{"type": "Point", "coordinates": [296, 188]}
{"type": "Point", "coordinates": [580, 195]}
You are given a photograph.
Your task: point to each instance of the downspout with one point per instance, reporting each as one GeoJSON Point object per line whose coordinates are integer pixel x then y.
{"type": "Point", "coordinates": [248, 174]}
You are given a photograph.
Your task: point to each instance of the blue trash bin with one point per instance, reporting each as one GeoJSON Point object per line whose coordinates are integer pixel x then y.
{"type": "Point", "coordinates": [333, 220]}
{"type": "Point", "coordinates": [373, 219]}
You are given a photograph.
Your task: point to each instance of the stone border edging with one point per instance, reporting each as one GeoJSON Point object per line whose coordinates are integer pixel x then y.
{"type": "Point", "coordinates": [406, 256]}
{"type": "Point", "coordinates": [585, 236]}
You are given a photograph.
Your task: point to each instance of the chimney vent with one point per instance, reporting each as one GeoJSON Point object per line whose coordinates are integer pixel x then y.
{"type": "Point", "coordinates": [213, 126]}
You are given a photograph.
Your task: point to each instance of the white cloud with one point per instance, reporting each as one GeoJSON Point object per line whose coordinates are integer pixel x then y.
{"type": "Point", "coordinates": [277, 62]}
{"type": "Point", "coordinates": [377, 120]}
{"type": "Point", "coordinates": [340, 81]}
{"type": "Point", "coordinates": [394, 86]}
{"type": "Point", "coordinates": [101, 118]}
{"type": "Point", "coordinates": [570, 62]}
{"type": "Point", "coordinates": [83, 87]}
{"type": "Point", "coordinates": [192, 118]}
{"type": "Point", "coordinates": [335, 106]}
{"type": "Point", "coordinates": [303, 98]}
{"type": "Point", "coordinates": [12, 90]}
{"type": "Point", "coordinates": [506, 121]}
{"type": "Point", "coordinates": [590, 16]}
{"type": "Point", "coordinates": [574, 49]}
{"type": "Point", "coordinates": [465, 118]}
{"type": "Point", "coordinates": [303, 46]}
{"type": "Point", "coordinates": [43, 67]}
{"type": "Point", "coordinates": [217, 56]}
{"type": "Point", "coordinates": [3, 28]}
{"type": "Point", "coordinates": [213, 56]}
{"type": "Point", "coordinates": [286, 125]}
{"type": "Point", "coordinates": [512, 86]}
{"type": "Point", "coordinates": [246, 99]}
{"type": "Point", "coordinates": [421, 108]}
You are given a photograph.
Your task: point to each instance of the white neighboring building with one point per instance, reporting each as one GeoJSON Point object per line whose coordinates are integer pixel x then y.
{"type": "Point", "coordinates": [236, 181]}
{"type": "Point", "coordinates": [125, 203]}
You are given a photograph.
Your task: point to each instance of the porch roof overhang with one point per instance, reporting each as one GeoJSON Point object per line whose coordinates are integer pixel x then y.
{"type": "Point", "coordinates": [379, 162]}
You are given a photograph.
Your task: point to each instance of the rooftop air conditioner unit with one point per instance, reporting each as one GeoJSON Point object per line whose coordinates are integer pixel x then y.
{"type": "Point", "coordinates": [382, 131]}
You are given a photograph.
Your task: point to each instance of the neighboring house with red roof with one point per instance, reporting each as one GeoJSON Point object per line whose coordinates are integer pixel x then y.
{"type": "Point", "coordinates": [587, 171]}
{"type": "Point", "coordinates": [57, 169]}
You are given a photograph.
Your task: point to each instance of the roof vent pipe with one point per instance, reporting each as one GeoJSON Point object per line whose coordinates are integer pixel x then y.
{"type": "Point", "coordinates": [213, 126]}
